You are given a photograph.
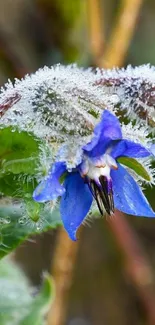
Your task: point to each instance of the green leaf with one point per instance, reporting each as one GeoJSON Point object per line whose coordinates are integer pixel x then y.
{"type": "Point", "coordinates": [17, 186]}
{"type": "Point", "coordinates": [15, 296]}
{"type": "Point", "coordinates": [41, 304]}
{"type": "Point", "coordinates": [25, 217]}
{"type": "Point", "coordinates": [136, 166]}
{"type": "Point", "coordinates": [17, 305]}
{"type": "Point", "coordinates": [23, 165]}
{"type": "Point", "coordinates": [44, 297]}
{"type": "Point", "coordinates": [18, 151]}
{"type": "Point", "coordinates": [19, 221]}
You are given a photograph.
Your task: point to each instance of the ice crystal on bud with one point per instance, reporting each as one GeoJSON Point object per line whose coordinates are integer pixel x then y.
{"type": "Point", "coordinates": [134, 88]}
{"type": "Point", "coordinates": [136, 132]}
{"type": "Point", "coordinates": [64, 101]}
{"type": "Point", "coordinates": [71, 152]}
{"type": "Point", "coordinates": [54, 102]}
{"type": "Point", "coordinates": [46, 158]}
{"type": "Point", "coordinates": [63, 104]}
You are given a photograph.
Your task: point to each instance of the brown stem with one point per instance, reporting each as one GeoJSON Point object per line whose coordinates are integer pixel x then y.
{"type": "Point", "coordinates": [121, 35]}
{"type": "Point", "coordinates": [137, 265]}
{"type": "Point", "coordinates": [95, 24]}
{"type": "Point", "coordinates": [62, 271]}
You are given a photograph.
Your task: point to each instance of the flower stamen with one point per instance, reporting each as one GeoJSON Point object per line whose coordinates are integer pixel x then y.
{"type": "Point", "coordinates": [103, 195]}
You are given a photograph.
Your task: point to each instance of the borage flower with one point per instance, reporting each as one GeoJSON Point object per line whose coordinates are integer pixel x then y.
{"type": "Point", "coordinates": [99, 176]}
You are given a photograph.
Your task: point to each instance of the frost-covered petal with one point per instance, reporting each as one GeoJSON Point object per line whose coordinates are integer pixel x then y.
{"type": "Point", "coordinates": [128, 196]}
{"type": "Point", "coordinates": [50, 188]}
{"type": "Point", "coordinates": [75, 203]}
{"type": "Point", "coordinates": [129, 148]}
{"type": "Point", "coordinates": [106, 130]}
{"type": "Point", "coordinates": [84, 167]}
{"type": "Point", "coordinates": [153, 149]}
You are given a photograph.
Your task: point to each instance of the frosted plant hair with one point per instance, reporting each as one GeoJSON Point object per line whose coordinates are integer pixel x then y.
{"type": "Point", "coordinates": [64, 100]}
{"type": "Point", "coordinates": [62, 104]}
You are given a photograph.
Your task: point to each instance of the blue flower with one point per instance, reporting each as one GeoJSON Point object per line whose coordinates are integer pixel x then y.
{"type": "Point", "coordinates": [98, 176]}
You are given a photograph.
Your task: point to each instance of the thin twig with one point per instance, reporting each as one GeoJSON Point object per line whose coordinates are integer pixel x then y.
{"type": "Point", "coordinates": [62, 271]}
{"type": "Point", "coordinates": [121, 35]}
{"type": "Point", "coordinates": [96, 33]}
{"type": "Point", "coordinates": [137, 266]}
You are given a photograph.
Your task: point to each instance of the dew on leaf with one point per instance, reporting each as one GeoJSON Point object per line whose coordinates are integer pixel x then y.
{"type": "Point", "coordinates": [7, 220]}
{"type": "Point", "coordinates": [22, 220]}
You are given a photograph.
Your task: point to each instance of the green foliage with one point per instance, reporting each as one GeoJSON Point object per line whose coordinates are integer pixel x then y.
{"type": "Point", "coordinates": [17, 304]}
{"type": "Point", "coordinates": [70, 10]}
{"type": "Point", "coordinates": [18, 222]}
{"type": "Point", "coordinates": [136, 166]}
{"type": "Point", "coordinates": [64, 20]}
{"type": "Point", "coordinates": [20, 216]}
{"type": "Point", "coordinates": [40, 304]}
{"type": "Point", "coordinates": [17, 185]}
{"type": "Point", "coordinates": [18, 152]}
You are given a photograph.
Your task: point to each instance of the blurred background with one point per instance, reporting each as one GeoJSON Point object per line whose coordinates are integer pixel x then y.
{"type": "Point", "coordinates": [102, 289]}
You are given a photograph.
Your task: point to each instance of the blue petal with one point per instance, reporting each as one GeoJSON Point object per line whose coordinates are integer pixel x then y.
{"type": "Point", "coordinates": [128, 196]}
{"type": "Point", "coordinates": [50, 188]}
{"type": "Point", "coordinates": [75, 203]}
{"type": "Point", "coordinates": [128, 148]}
{"type": "Point", "coordinates": [108, 129]}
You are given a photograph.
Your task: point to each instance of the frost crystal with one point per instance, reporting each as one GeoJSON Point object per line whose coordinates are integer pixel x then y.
{"type": "Point", "coordinates": [64, 100]}
{"type": "Point", "coordinates": [135, 89]}
{"type": "Point", "coordinates": [62, 104]}
{"type": "Point", "coordinates": [53, 103]}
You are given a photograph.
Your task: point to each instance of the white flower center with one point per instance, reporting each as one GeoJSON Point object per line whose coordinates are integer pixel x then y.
{"type": "Point", "coordinates": [98, 167]}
